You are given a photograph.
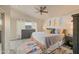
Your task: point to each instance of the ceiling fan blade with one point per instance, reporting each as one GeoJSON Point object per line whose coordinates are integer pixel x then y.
{"type": "Point", "coordinates": [44, 7]}
{"type": "Point", "coordinates": [45, 11]}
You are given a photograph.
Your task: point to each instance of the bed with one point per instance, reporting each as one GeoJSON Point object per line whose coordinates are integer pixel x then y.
{"type": "Point", "coordinates": [37, 44]}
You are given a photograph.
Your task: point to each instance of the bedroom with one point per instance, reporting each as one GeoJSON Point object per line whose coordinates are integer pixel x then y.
{"type": "Point", "coordinates": [27, 25]}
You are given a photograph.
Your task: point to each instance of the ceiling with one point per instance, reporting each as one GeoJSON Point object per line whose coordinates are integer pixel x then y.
{"type": "Point", "coordinates": [53, 10]}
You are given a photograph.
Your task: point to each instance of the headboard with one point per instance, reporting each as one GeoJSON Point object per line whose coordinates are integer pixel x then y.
{"type": "Point", "coordinates": [26, 33]}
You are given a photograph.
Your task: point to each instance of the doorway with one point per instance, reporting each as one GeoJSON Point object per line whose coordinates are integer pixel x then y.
{"type": "Point", "coordinates": [1, 32]}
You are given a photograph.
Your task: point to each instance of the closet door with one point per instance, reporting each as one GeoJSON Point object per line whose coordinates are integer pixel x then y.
{"type": "Point", "coordinates": [76, 33]}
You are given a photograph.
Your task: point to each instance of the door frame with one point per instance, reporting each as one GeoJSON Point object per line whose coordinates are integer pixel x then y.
{"type": "Point", "coordinates": [3, 31]}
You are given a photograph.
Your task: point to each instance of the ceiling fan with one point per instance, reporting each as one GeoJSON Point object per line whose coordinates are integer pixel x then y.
{"type": "Point", "coordinates": [42, 9]}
